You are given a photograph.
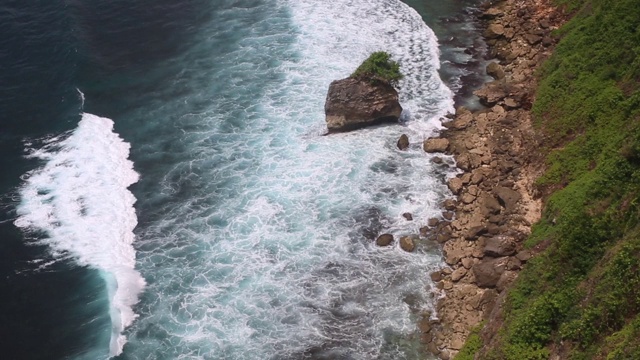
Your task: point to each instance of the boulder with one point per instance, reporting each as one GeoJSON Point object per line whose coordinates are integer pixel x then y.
{"type": "Point", "coordinates": [533, 39]}
{"type": "Point", "coordinates": [352, 104]}
{"type": "Point", "coordinates": [475, 232]}
{"type": "Point", "coordinates": [494, 31]}
{"type": "Point", "coordinates": [495, 70]}
{"type": "Point", "coordinates": [407, 216]}
{"type": "Point", "coordinates": [498, 246]}
{"type": "Point", "coordinates": [487, 272]}
{"type": "Point", "coordinates": [507, 197]}
{"type": "Point", "coordinates": [455, 185]}
{"type": "Point", "coordinates": [435, 145]}
{"type": "Point", "coordinates": [384, 240]}
{"type": "Point", "coordinates": [492, 93]}
{"type": "Point", "coordinates": [407, 244]}
{"type": "Point", "coordinates": [403, 142]}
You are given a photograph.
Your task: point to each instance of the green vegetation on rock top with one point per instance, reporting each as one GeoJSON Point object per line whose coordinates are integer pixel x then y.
{"type": "Point", "coordinates": [379, 67]}
{"type": "Point", "coordinates": [581, 296]}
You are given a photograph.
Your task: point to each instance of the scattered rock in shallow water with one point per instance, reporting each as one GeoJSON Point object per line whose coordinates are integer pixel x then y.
{"type": "Point", "coordinates": [403, 142]}
{"type": "Point", "coordinates": [384, 240]}
{"type": "Point", "coordinates": [435, 145]}
{"type": "Point", "coordinates": [449, 204]}
{"type": "Point", "coordinates": [407, 244]}
{"type": "Point", "coordinates": [433, 222]}
{"type": "Point", "coordinates": [437, 160]}
{"type": "Point", "coordinates": [407, 216]}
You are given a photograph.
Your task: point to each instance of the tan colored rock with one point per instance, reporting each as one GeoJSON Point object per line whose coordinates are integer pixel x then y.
{"type": "Point", "coordinates": [455, 185]}
{"type": "Point", "coordinates": [458, 274]}
{"type": "Point", "coordinates": [407, 244]}
{"type": "Point", "coordinates": [435, 145]}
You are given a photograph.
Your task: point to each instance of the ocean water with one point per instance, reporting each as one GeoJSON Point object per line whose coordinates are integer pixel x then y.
{"type": "Point", "coordinates": [170, 193]}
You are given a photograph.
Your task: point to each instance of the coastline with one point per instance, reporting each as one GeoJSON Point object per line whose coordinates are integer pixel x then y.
{"type": "Point", "coordinates": [496, 198]}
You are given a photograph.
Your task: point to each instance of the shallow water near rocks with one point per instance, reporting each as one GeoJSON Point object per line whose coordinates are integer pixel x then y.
{"type": "Point", "coordinates": [253, 231]}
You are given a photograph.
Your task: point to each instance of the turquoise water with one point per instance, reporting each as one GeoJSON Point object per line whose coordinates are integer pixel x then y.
{"type": "Point", "coordinates": [252, 232]}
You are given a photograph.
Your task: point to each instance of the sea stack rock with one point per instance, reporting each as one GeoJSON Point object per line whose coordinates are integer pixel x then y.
{"type": "Point", "coordinates": [356, 103]}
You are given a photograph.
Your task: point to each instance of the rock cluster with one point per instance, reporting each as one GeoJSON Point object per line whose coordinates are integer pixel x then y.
{"type": "Point", "coordinates": [496, 199]}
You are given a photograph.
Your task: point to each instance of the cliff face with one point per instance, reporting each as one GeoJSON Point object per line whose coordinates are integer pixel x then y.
{"type": "Point", "coordinates": [352, 104]}
{"type": "Point", "coordinates": [565, 137]}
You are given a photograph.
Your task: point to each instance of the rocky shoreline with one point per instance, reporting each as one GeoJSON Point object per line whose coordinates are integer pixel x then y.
{"type": "Point", "coordinates": [497, 202]}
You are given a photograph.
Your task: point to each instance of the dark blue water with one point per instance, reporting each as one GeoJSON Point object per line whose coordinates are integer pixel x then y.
{"type": "Point", "coordinates": [251, 228]}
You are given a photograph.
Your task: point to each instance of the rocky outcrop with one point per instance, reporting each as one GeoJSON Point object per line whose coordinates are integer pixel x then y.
{"type": "Point", "coordinates": [496, 195]}
{"type": "Point", "coordinates": [352, 104]}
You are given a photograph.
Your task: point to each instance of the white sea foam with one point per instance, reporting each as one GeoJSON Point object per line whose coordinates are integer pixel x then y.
{"type": "Point", "coordinates": [80, 201]}
{"type": "Point", "coordinates": [257, 248]}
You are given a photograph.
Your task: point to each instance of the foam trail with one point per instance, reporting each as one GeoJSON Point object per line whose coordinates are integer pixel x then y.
{"type": "Point", "coordinates": [80, 200]}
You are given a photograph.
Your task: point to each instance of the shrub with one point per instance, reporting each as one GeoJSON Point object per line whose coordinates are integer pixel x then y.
{"type": "Point", "coordinates": [379, 67]}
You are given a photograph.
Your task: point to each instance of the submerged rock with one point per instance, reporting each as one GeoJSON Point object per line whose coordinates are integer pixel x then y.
{"type": "Point", "coordinates": [384, 240]}
{"type": "Point", "coordinates": [353, 104]}
{"type": "Point", "coordinates": [403, 142]}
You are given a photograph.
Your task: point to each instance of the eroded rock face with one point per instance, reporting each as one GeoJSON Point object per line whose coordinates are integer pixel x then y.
{"type": "Point", "coordinates": [353, 104]}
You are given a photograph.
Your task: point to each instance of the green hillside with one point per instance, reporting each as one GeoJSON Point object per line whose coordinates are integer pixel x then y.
{"type": "Point", "coordinates": [580, 297]}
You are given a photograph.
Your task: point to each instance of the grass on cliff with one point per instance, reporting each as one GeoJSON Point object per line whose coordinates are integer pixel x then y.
{"type": "Point", "coordinates": [581, 297]}
{"type": "Point", "coordinates": [379, 67]}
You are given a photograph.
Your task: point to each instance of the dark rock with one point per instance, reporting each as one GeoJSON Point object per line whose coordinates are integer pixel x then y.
{"type": "Point", "coordinates": [384, 240]}
{"type": "Point", "coordinates": [492, 13]}
{"type": "Point", "coordinates": [500, 246]}
{"type": "Point", "coordinates": [449, 204]}
{"type": "Point", "coordinates": [436, 276]}
{"type": "Point", "coordinates": [544, 23]}
{"type": "Point", "coordinates": [495, 70]}
{"type": "Point", "coordinates": [492, 93]}
{"type": "Point", "coordinates": [507, 197]}
{"type": "Point", "coordinates": [490, 205]}
{"type": "Point", "coordinates": [407, 244]}
{"type": "Point", "coordinates": [476, 231]}
{"type": "Point", "coordinates": [494, 31]}
{"type": "Point", "coordinates": [407, 216]}
{"type": "Point", "coordinates": [533, 39]}
{"type": "Point", "coordinates": [352, 104]}
{"type": "Point", "coordinates": [447, 215]}
{"type": "Point", "coordinates": [547, 41]}
{"type": "Point", "coordinates": [403, 142]}
{"type": "Point", "coordinates": [436, 145]}
{"type": "Point", "coordinates": [488, 271]}
{"type": "Point", "coordinates": [433, 222]}
{"type": "Point", "coordinates": [524, 255]}
{"type": "Point", "coordinates": [424, 231]}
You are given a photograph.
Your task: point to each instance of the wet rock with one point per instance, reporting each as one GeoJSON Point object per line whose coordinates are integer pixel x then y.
{"type": "Point", "coordinates": [407, 216]}
{"type": "Point", "coordinates": [449, 204]}
{"type": "Point", "coordinates": [407, 244]}
{"type": "Point", "coordinates": [433, 222]}
{"type": "Point", "coordinates": [495, 71]}
{"type": "Point", "coordinates": [492, 93]}
{"type": "Point", "coordinates": [494, 31]}
{"type": "Point", "coordinates": [437, 160]}
{"type": "Point", "coordinates": [448, 215]}
{"type": "Point", "coordinates": [403, 142]}
{"type": "Point", "coordinates": [384, 240]}
{"type": "Point", "coordinates": [436, 145]}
